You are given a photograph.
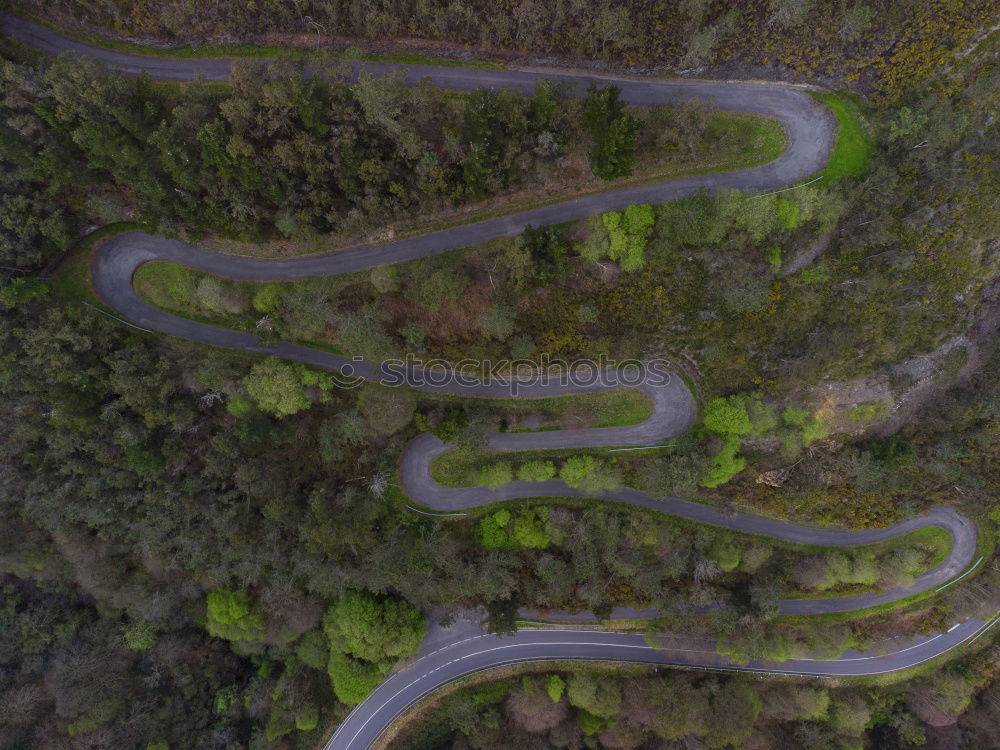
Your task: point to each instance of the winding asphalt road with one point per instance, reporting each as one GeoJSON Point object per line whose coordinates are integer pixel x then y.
{"type": "Point", "coordinates": [810, 131]}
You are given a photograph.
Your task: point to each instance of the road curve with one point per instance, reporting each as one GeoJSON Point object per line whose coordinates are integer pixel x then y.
{"type": "Point", "coordinates": [466, 653]}
{"type": "Point", "coordinates": [810, 132]}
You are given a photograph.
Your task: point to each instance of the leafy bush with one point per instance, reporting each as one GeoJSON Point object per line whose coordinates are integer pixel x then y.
{"type": "Point", "coordinates": [232, 615]}
{"type": "Point", "coordinates": [352, 680]}
{"type": "Point", "coordinates": [727, 416]}
{"type": "Point", "coordinates": [628, 233]}
{"type": "Point", "coordinates": [554, 686]}
{"type": "Point", "coordinates": [267, 299]}
{"type": "Point", "coordinates": [275, 387]}
{"type": "Point", "coordinates": [491, 531]}
{"type": "Point", "coordinates": [496, 474]}
{"type": "Point", "coordinates": [727, 463]}
{"type": "Point", "coordinates": [536, 471]}
{"type": "Point", "coordinates": [589, 474]}
{"type": "Point", "coordinates": [529, 529]}
{"type": "Point", "coordinates": [375, 629]}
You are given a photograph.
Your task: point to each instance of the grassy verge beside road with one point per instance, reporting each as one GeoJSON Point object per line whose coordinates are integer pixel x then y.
{"type": "Point", "coordinates": [852, 151]}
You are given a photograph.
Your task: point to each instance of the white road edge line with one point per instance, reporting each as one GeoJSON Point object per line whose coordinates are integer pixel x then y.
{"type": "Point", "coordinates": [978, 633]}
{"type": "Point", "coordinates": [956, 580]}
{"type": "Point", "coordinates": [793, 187]}
{"type": "Point", "coordinates": [115, 317]}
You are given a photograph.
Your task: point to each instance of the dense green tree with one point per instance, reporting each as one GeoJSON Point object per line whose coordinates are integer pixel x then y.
{"type": "Point", "coordinates": [375, 629]}
{"type": "Point", "coordinates": [276, 388]}
{"type": "Point", "coordinates": [232, 615]}
{"type": "Point", "coordinates": [612, 130]}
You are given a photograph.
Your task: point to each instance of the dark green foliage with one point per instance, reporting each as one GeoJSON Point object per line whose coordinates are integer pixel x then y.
{"type": "Point", "coordinates": [613, 132]}
{"type": "Point", "coordinates": [547, 252]}
{"type": "Point", "coordinates": [501, 616]}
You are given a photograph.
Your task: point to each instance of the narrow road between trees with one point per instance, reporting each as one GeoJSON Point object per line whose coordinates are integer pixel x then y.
{"type": "Point", "coordinates": [810, 130]}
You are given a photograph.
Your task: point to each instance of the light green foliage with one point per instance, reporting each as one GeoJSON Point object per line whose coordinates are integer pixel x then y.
{"type": "Point", "coordinates": [352, 680]}
{"type": "Point", "coordinates": [774, 259]}
{"type": "Point", "coordinates": [576, 469]}
{"type": "Point", "coordinates": [589, 724]}
{"type": "Point", "coordinates": [812, 427]}
{"type": "Point", "coordinates": [589, 474]}
{"type": "Point", "coordinates": [755, 214]}
{"type": "Point", "coordinates": [239, 406]}
{"type": "Point", "coordinates": [595, 695]}
{"type": "Point", "coordinates": [307, 718]}
{"type": "Point", "coordinates": [367, 635]}
{"type": "Point", "coordinates": [521, 347]}
{"type": "Point", "coordinates": [727, 463]}
{"type": "Point", "coordinates": [536, 471]}
{"type": "Point", "coordinates": [730, 418]}
{"type": "Point", "coordinates": [858, 20]}
{"type": "Point", "coordinates": [413, 335]}
{"type": "Point", "coordinates": [275, 387]}
{"type": "Point", "coordinates": [529, 529]}
{"type": "Point", "coordinates": [491, 531]}
{"type": "Point", "coordinates": [375, 629]}
{"type": "Point", "coordinates": [628, 233]}
{"type": "Point", "coordinates": [157, 745]}
{"type": "Point", "coordinates": [449, 427]}
{"type": "Point", "coordinates": [762, 417]}
{"type": "Point", "coordinates": [829, 641]}
{"type": "Point", "coordinates": [232, 615]}
{"type": "Point", "coordinates": [735, 707]}
{"type": "Point", "coordinates": [173, 283]}
{"type": "Point", "coordinates": [757, 642]}
{"type": "Point", "coordinates": [278, 725]}
{"type": "Point", "coordinates": [225, 698]}
{"type": "Point", "coordinates": [267, 299]}
{"type": "Point", "coordinates": [863, 415]}
{"type": "Point", "coordinates": [554, 686]}
{"type": "Point", "coordinates": [942, 695]}
{"type": "Point", "coordinates": [838, 568]}
{"type": "Point", "coordinates": [380, 99]}
{"type": "Point", "coordinates": [815, 275]}
{"type": "Point", "coordinates": [597, 244]}
{"type": "Point", "coordinates": [139, 635]}
{"type": "Point", "coordinates": [788, 212]}
{"type": "Point", "coordinates": [496, 474]}
{"type": "Point", "coordinates": [727, 416]}
{"type": "Point", "coordinates": [726, 554]}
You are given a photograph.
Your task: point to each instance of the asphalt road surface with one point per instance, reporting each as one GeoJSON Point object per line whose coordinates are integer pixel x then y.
{"type": "Point", "coordinates": [448, 659]}
{"type": "Point", "coordinates": [451, 654]}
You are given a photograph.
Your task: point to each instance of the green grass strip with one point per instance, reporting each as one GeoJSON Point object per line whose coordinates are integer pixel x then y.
{"type": "Point", "coordinates": [853, 148]}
